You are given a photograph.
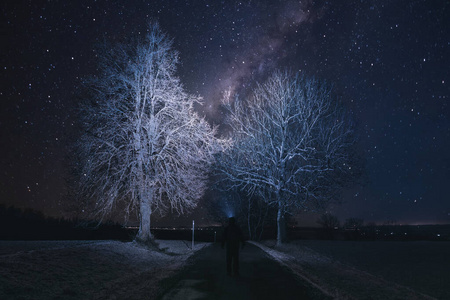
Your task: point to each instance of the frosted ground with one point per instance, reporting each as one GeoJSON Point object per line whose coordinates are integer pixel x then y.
{"type": "Point", "coordinates": [369, 270]}
{"type": "Point", "coordinates": [125, 270]}
{"type": "Point", "coordinates": [88, 269]}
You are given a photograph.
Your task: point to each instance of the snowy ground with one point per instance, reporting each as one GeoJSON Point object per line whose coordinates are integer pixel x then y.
{"type": "Point", "coordinates": [369, 270]}
{"type": "Point", "coordinates": [88, 269]}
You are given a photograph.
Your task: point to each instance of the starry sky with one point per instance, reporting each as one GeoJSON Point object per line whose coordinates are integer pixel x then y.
{"type": "Point", "coordinates": [387, 60]}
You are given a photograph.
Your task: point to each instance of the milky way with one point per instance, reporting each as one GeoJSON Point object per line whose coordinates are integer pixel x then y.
{"type": "Point", "coordinates": [262, 46]}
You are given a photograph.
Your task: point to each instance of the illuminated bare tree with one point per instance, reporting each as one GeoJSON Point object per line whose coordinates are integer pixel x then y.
{"type": "Point", "coordinates": [145, 148]}
{"type": "Point", "coordinates": [290, 144]}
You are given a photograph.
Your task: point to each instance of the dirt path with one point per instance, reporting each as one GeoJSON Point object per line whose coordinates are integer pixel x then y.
{"type": "Point", "coordinates": [260, 278]}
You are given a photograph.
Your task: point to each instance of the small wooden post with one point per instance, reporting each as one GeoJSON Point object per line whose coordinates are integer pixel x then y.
{"type": "Point", "coordinates": [193, 234]}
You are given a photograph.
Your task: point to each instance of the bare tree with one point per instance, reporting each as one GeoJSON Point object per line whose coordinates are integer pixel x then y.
{"type": "Point", "coordinates": [259, 215]}
{"type": "Point", "coordinates": [328, 221]}
{"type": "Point", "coordinates": [353, 224]}
{"type": "Point", "coordinates": [144, 147]}
{"type": "Point", "coordinates": [330, 224]}
{"type": "Point", "coordinates": [353, 228]}
{"type": "Point", "coordinates": [290, 142]}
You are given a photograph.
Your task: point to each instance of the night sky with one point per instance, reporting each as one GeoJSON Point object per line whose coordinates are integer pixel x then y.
{"type": "Point", "coordinates": [388, 61]}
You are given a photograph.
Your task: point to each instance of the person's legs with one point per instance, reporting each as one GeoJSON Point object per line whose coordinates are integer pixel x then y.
{"type": "Point", "coordinates": [229, 258]}
{"type": "Point", "coordinates": [234, 256]}
{"type": "Point", "coordinates": [236, 263]}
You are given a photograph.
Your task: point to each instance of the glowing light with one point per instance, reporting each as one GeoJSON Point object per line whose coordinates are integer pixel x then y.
{"type": "Point", "coordinates": [229, 213]}
{"type": "Point", "coordinates": [227, 209]}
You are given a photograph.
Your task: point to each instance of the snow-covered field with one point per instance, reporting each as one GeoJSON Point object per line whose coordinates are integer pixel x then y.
{"type": "Point", "coordinates": [369, 270]}
{"type": "Point", "coordinates": [88, 269]}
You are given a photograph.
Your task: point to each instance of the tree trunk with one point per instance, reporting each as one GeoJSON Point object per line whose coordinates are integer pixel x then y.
{"type": "Point", "coordinates": [144, 234]}
{"type": "Point", "coordinates": [248, 220]}
{"type": "Point", "coordinates": [281, 224]}
{"type": "Point", "coordinates": [263, 222]}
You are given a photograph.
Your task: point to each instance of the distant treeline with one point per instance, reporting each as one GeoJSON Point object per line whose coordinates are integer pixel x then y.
{"type": "Point", "coordinates": [28, 224]}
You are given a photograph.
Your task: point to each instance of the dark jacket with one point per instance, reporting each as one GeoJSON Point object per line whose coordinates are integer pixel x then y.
{"type": "Point", "coordinates": [232, 237]}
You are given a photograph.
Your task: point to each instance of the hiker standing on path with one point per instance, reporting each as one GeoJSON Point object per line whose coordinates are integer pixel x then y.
{"type": "Point", "coordinates": [232, 237]}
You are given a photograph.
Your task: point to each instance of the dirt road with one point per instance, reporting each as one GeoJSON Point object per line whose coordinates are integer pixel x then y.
{"type": "Point", "coordinates": [260, 278]}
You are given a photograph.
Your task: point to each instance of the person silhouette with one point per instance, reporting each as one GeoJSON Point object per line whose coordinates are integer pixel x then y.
{"type": "Point", "coordinates": [232, 237]}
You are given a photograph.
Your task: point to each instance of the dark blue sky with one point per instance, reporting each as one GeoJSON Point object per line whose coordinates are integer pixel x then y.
{"type": "Point", "coordinates": [388, 61]}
